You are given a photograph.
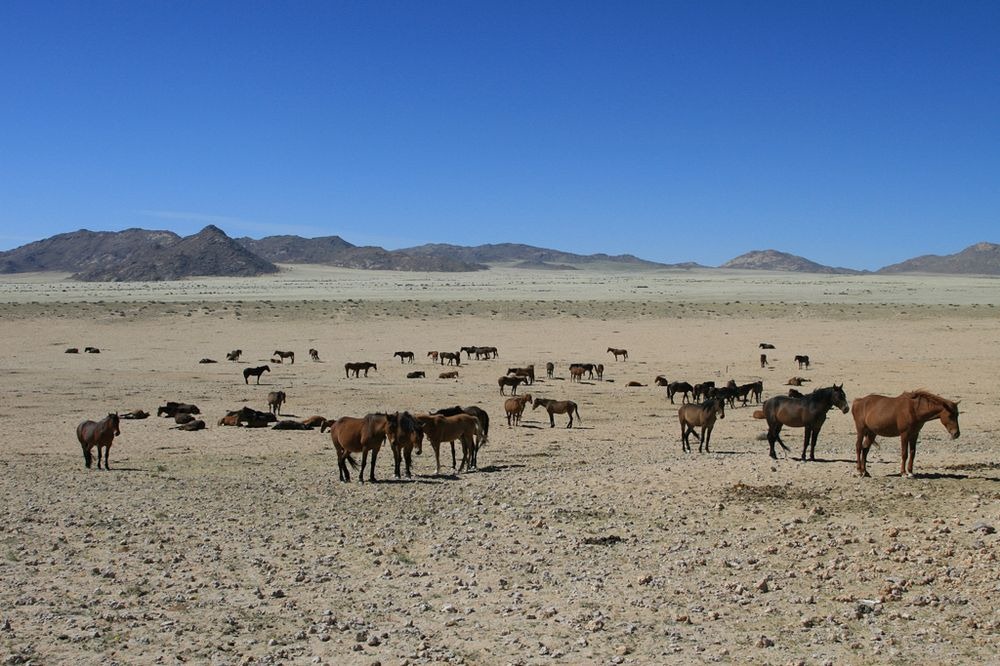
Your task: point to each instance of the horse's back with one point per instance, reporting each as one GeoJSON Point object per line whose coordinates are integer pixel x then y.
{"type": "Point", "coordinates": [877, 413]}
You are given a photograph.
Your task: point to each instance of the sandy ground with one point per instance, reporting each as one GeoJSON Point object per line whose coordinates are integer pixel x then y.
{"type": "Point", "coordinates": [603, 543]}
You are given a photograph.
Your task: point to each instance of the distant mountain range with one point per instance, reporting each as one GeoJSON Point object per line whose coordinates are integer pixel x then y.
{"type": "Point", "coordinates": [142, 255]}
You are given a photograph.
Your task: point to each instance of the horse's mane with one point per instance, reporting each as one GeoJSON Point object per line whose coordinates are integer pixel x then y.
{"type": "Point", "coordinates": [932, 397]}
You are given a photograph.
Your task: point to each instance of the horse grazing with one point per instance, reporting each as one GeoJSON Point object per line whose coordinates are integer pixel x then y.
{"type": "Point", "coordinates": [275, 399]}
{"type": "Point", "coordinates": [904, 416]}
{"type": "Point", "coordinates": [314, 354]}
{"type": "Point", "coordinates": [513, 382]}
{"type": "Point", "coordinates": [514, 407]}
{"type": "Point", "coordinates": [255, 372]}
{"type": "Point", "coordinates": [558, 407]}
{"type": "Point", "coordinates": [356, 368]}
{"type": "Point", "coordinates": [803, 361]}
{"type": "Point", "coordinates": [703, 415]}
{"type": "Point", "coordinates": [404, 356]}
{"type": "Point", "coordinates": [438, 429]}
{"type": "Point", "coordinates": [673, 388]}
{"type": "Point", "coordinates": [452, 358]}
{"type": "Point", "coordinates": [100, 434]}
{"type": "Point", "coordinates": [808, 412]}
{"type": "Point", "coordinates": [550, 369]}
{"type": "Point", "coordinates": [618, 352]}
{"type": "Point", "coordinates": [285, 354]}
{"type": "Point", "coordinates": [661, 381]}
{"type": "Point", "coordinates": [234, 355]}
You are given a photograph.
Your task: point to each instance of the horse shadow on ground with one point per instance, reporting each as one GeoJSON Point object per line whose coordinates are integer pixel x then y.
{"type": "Point", "coordinates": [417, 478]}
{"type": "Point", "coordinates": [493, 469]}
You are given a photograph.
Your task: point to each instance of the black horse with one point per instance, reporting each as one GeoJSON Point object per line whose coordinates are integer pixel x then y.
{"type": "Point", "coordinates": [255, 372]}
{"type": "Point", "coordinates": [807, 412]}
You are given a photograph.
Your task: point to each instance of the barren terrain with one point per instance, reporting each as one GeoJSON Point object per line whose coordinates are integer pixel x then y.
{"type": "Point", "coordinates": [603, 543]}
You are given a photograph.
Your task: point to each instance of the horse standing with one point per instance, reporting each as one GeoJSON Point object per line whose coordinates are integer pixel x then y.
{"type": "Point", "coordinates": [803, 361]}
{"type": "Point", "coordinates": [618, 352]}
{"type": "Point", "coordinates": [404, 356]}
{"type": "Point", "coordinates": [808, 412]}
{"type": "Point", "coordinates": [100, 434]}
{"type": "Point", "coordinates": [285, 354]}
{"type": "Point", "coordinates": [567, 407]}
{"type": "Point", "coordinates": [904, 416]}
{"type": "Point", "coordinates": [255, 372]}
{"type": "Point", "coordinates": [703, 415]}
{"type": "Point", "coordinates": [361, 435]}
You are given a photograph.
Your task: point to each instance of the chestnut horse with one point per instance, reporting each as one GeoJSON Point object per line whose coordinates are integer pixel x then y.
{"type": "Point", "coordinates": [903, 415]}
{"type": "Point", "coordinates": [703, 415]}
{"type": "Point", "coordinates": [361, 435]}
{"type": "Point", "coordinates": [100, 434]}
{"type": "Point", "coordinates": [808, 412]}
{"type": "Point", "coordinates": [558, 407]}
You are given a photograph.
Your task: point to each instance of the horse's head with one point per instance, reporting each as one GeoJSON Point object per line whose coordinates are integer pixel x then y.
{"type": "Point", "coordinates": [720, 408]}
{"type": "Point", "coordinates": [949, 418]}
{"type": "Point", "coordinates": [840, 398]}
{"type": "Point", "coordinates": [113, 420]}
{"type": "Point", "coordinates": [528, 399]}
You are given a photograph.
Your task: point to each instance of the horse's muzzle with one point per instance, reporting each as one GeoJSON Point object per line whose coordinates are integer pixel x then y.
{"type": "Point", "coordinates": [955, 434]}
{"type": "Point", "coordinates": [845, 409]}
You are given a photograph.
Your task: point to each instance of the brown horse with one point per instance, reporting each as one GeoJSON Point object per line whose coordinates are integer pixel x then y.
{"type": "Point", "coordinates": [808, 412]}
{"type": "Point", "coordinates": [803, 361]}
{"type": "Point", "coordinates": [904, 416]}
{"type": "Point", "coordinates": [703, 415]}
{"type": "Point", "coordinates": [451, 374]}
{"type": "Point", "coordinates": [576, 373]}
{"type": "Point", "coordinates": [275, 399]}
{"type": "Point", "coordinates": [255, 372]}
{"type": "Point", "coordinates": [404, 356]}
{"type": "Point", "coordinates": [558, 407]}
{"type": "Point", "coordinates": [513, 382]}
{"type": "Point", "coordinates": [433, 356]}
{"type": "Point", "coordinates": [599, 369]}
{"type": "Point", "coordinates": [463, 427]}
{"type": "Point", "coordinates": [661, 381]}
{"type": "Point", "coordinates": [452, 358]}
{"type": "Point", "coordinates": [550, 369]}
{"type": "Point", "coordinates": [363, 435]}
{"type": "Point", "coordinates": [314, 354]}
{"type": "Point", "coordinates": [356, 368]}
{"type": "Point", "coordinates": [100, 434]}
{"type": "Point", "coordinates": [527, 372]}
{"type": "Point", "coordinates": [618, 352]}
{"type": "Point", "coordinates": [484, 427]}
{"type": "Point", "coordinates": [673, 388]}
{"type": "Point", "coordinates": [234, 355]}
{"type": "Point", "coordinates": [285, 354]}
{"type": "Point", "coordinates": [515, 408]}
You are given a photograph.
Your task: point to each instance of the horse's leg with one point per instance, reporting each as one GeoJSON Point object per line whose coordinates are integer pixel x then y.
{"type": "Point", "coordinates": [706, 433]}
{"type": "Point", "coordinates": [371, 469]}
{"type": "Point", "coordinates": [396, 457]}
{"type": "Point", "coordinates": [913, 454]}
{"type": "Point", "coordinates": [904, 450]}
{"type": "Point", "coordinates": [437, 457]}
{"type": "Point", "coordinates": [570, 424]}
{"type": "Point", "coordinates": [364, 461]}
{"type": "Point", "coordinates": [107, 454]}
{"type": "Point", "coordinates": [88, 457]}
{"type": "Point", "coordinates": [684, 442]}
{"type": "Point", "coordinates": [860, 453]}
{"type": "Point", "coordinates": [453, 453]}
{"type": "Point", "coordinates": [407, 453]}
{"type": "Point", "coordinates": [552, 419]}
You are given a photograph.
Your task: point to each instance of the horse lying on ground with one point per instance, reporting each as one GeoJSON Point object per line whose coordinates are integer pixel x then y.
{"type": "Point", "coordinates": [172, 409]}
{"type": "Point", "coordinates": [135, 414]}
{"type": "Point", "coordinates": [703, 415]}
{"type": "Point", "coordinates": [182, 418]}
{"type": "Point", "coordinates": [289, 424]}
{"type": "Point", "coordinates": [416, 374]}
{"type": "Point", "coordinates": [249, 417]}
{"type": "Point", "coordinates": [100, 434]}
{"type": "Point", "coordinates": [808, 412]}
{"type": "Point", "coordinates": [796, 381]}
{"type": "Point", "coordinates": [453, 374]}
{"type": "Point", "coordinates": [91, 350]}
{"type": "Point", "coordinates": [255, 372]}
{"type": "Point", "coordinates": [191, 426]}
{"type": "Point", "coordinates": [558, 407]}
{"type": "Point", "coordinates": [904, 416]}
{"type": "Point", "coordinates": [208, 360]}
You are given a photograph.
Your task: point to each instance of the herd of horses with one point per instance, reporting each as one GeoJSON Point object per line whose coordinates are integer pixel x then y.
{"type": "Point", "coordinates": [702, 405]}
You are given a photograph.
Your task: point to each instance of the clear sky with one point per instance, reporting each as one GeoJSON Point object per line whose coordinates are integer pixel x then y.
{"type": "Point", "coordinates": [852, 133]}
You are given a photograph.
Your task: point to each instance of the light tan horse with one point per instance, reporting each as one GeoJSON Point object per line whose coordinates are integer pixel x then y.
{"type": "Point", "coordinates": [275, 399]}
{"type": "Point", "coordinates": [515, 408]}
{"type": "Point", "coordinates": [558, 407]}
{"type": "Point", "coordinates": [904, 416]}
{"type": "Point", "coordinates": [703, 415]}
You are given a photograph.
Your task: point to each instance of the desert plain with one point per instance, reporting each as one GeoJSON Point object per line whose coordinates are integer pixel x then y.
{"type": "Point", "coordinates": [601, 544]}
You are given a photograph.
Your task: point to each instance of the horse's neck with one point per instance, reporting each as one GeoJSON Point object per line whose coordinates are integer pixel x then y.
{"type": "Point", "coordinates": [926, 409]}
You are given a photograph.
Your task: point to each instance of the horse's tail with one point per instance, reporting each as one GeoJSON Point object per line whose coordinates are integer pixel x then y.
{"type": "Point", "coordinates": [577, 410]}
{"type": "Point", "coordinates": [759, 414]}
{"type": "Point", "coordinates": [353, 463]}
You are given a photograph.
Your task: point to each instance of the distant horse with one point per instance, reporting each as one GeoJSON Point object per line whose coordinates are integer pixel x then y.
{"type": "Point", "coordinates": [700, 391]}
{"type": "Point", "coordinates": [795, 394]}
{"type": "Point", "coordinates": [359, 435]}
{"type": "Point", "coordinates": [513, 382]}
{"type": "Point", "coordinates": [275, 399]}
{"type": "Point", "coordinates": [452, 358]}
{"type": "Point", "coordinates": [803, 361]}
{"type": "Point", "coordinates": [514, 407]}
{"type": "Point", "coordinates": [190, 426]}
{"type": "Point", "coordinates": [527, 372]}
{"type": "Point", "coordinates": [255, 372]}
{"type": "Point", "coordinates": [550, 369]}
{"type": "Point", "coordinates": [208, 360]}
{"type": "Point", "coordinates": [796, 381]}
{"type": "Point", "coordinates": [766, 345]}
{"type": "Point", "coordinates": [486, 352]}
{"type": "Point", "coordinates": [587, 367]}
{"type": "Point", "coordinates": [314, 354]}
{"type": "Point", "coordinates": [484, 426]}
{"type": "Point", "coordinates": [660, 380]}
{"type": "Point", "coordinates": [599, 369]}
{"type": "Point", "coordinates": [433, 356]}
{"type": "Point", "coordinates": [763, 360]}
{"type": "Point", "coordinates": [72, 350]}
{"type": "Point", "coordinates": [757, 390]}
{"type": "Point", "coordinates": [904, 416]}
{"type": "Point", "coordinates": [673, 388]}
{"type": "Point", "coordinates": [451, 374]}
{"type": "Point", "coordinates": [317, 421]}
{"type": "Point", "coordinates": [404, 356]}
{"type": "Point", "coordinates": [618, 352]}
{"type": "Point", "coordinates": [356, 368]}
{"type": "Point", "coordinates": [416, 374]}
{"type": "Point", "coordinates": [172, 409]}
{"type": "Point", "coordinates": [469, 351]}
{"type": "Point", "coordinates": [100, 434]}
{"type": "Point", "coordinates": [91, 350]}
{"type": "Point", "coordinates": [634, 384]}
{"type": "Point", "coordinates": [285, 354]}
{"type": "Point", "coordinates": [558, 407]}
{"type": "Point", "coordinates": [234, 355]}
{"type": "Point", "coordinates": [576, 373]}
{"type": "Point", "coordinates": [808, 412]}
{"type": "Point", "coordinates": [703, 415]}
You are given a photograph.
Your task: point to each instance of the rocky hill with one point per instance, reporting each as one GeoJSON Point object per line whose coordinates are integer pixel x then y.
{"type": "Point", "coordinates": [136, 255]}
{"type": "Point", "coordinates": [978, 259]}
{"type": "Point", "coordinates": [335, 251]}
{"type": "Point", "coordinates": [773, 260]}
{"type": "Point", "coordinates": [518, 252]}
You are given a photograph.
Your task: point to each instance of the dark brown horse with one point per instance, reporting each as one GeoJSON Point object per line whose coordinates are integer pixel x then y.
{"type": "Point", "coordinates": [550, 369]}
{"type": "Point", "coordinates": [703, 415]}
{"type": "Point", "coordinates": [285, 354]}
{"type": "Point", "coordinates": [803, 361]}
{"type": "Point", "coordinates": [100, 434]}
{"type": "Point", "coordinates": [513, 382]}
{"type": "Point", "coordinates": [234, 355]}
{"type": "Point", "coordinates": [453, 358]}
{"type": "Point", "coordinates": [673, 388]}
{"type": "Point", "coordinates": [808, 412]}
{"type": "Point", "coordinates": [464, 427]}
{"type": "Point", "coordinates": [484, 427]}
{"type": "Point", "coordinates": [618, 352]}
{"type": "Point", "coordinates": [558, 407]}
{"type": "Point", "coordinates": [904, 416]}
{"type": "Point", "coordinates": [255, 372]}
{"type": "Point", "coordinates": [356, 368]}
{"type": "Point", "coordinates": [314, 354]}
{"type": "Point", "coordinates": [404, 356]}
{"type": "Point", "coordinates": [361, 435]}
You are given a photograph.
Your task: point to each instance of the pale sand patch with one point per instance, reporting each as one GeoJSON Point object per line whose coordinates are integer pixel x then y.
{"type": "Point", "coordinates": [229, 544]}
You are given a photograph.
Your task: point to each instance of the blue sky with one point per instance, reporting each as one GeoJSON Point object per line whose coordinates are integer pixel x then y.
{"type": "Point", "coordinates": [852, 133]}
